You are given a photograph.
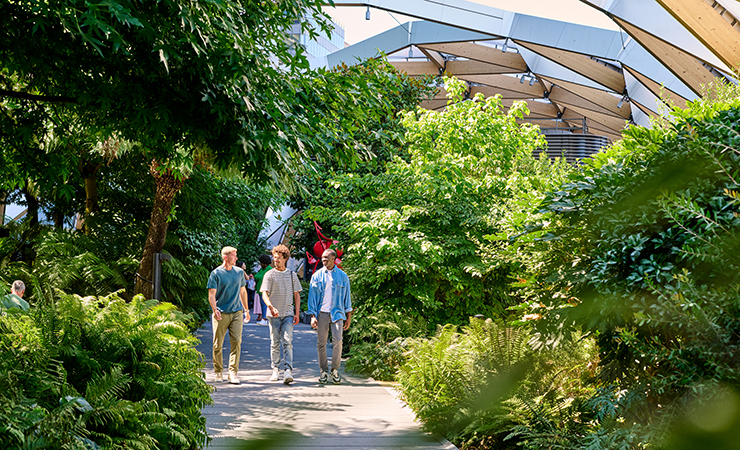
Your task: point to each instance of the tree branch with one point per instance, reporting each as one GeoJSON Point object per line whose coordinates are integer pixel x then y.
{"type": "Point", "coordinates": [36, 98]}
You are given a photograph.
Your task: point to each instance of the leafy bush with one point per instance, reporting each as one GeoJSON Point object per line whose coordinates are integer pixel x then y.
{"type": "Point", "coordinates": [81, 372]}
{"type": "Point", "coordinates": [644, 247]}
{"type": "Point", "coordinates": [478, 385]}
{"type": "Point", "coordinates": [418, 238]}
{"type": "Point", "coordinates": [378, 342]}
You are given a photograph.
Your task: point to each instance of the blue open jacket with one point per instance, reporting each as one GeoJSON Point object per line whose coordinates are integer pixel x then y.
{"type": "Point", "coordinates": [341, 302]}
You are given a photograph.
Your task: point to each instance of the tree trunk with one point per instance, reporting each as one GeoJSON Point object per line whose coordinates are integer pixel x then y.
{"type": "Point", "coordinates": [3, 197]}
{"type": "Point", "coordinates": [33, 205]}
{"type": "Point", "coordinates": [89, 172]}
{"type": "Point", "coordinates": [167, 185]}
{"type": "Point", "coordinates": [58, 219]}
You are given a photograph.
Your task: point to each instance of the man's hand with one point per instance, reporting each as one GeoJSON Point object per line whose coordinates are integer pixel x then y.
{"type": "Point", "coordinates": [273, 311]}
{"type": "Point", "coordinates": [246, 316]}
{"type": "Point", "coordinates": [346, 322]}
{"type": "Point", "coordinates": [217, 315]}
{"type": "Point", "coordinates": [296, 318]}
{"type": "Point", "coordinates": [314, 322]}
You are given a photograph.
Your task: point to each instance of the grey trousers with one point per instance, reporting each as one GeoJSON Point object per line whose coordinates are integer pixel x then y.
{"type": "Point", "coordinates": [324, 324]}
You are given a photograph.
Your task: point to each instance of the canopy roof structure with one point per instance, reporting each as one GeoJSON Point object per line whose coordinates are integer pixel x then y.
{"type": "Point", "coordinates": [586, 79]}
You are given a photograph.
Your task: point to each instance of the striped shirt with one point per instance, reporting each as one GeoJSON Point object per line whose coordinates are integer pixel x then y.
{"type": "Point", "coordinates": [280, 287]}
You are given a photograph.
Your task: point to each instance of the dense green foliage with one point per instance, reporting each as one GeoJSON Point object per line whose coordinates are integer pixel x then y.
{"type": "Point", "coordinates": [477, 385]}
{"type": "Point", "coordinates": [380, 342]}
{"type": "Point", "coordinates": [96, 370]}
{"type": "Point", "coordinates": [172, 76]}
{"type": "Point", "coordinates": [420, 237]}
{"type": "Point", "coordinates": [380, 138]}
{"type": "Point", "coordinates": [647, 261]}
{"type": "Point", "coordinates": [105, 260]}
{"type": "Point", "coordinates": [637, 250]}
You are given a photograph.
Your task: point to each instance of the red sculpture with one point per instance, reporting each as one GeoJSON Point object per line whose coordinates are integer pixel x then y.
{"type": "Point", "coordinates": [318, 249]}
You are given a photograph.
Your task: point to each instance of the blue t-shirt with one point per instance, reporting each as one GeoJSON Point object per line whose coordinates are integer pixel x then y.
{"type": "Point", "coordinates": [227, 284]}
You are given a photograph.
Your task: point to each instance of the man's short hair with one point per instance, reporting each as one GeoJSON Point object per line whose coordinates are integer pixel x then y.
{"type": "Point", "coordinates": [332, 252]}
{"type": "Point", "coordinates": [226, 250]}
{"type": "Point", "coordinates": [281, 249]}
{"type": "Point", "coordinates": [19, 286]}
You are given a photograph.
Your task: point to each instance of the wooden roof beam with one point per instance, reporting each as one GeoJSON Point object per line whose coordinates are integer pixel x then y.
{"type": "Point", "coordinates": [616, 125]}
{"type": "Point", "coordinates": [587, 97]}
{"type": "Point", "coordinates": [507, 86]}
{"type": "Point", "coordinates": [662, 93]}
{"type": "Point", "coordinates": [457, 68]}
{"type": "Point", "coordinates": [482, 53]}
{"type": "Point", "coordinates": [683, 65]}
{"type": "Point", "coordinates": [434, 57]}
{"type": "Point", "coordinates": [708, 26]}
{"type": "Point", "coordinates": [581, 64]}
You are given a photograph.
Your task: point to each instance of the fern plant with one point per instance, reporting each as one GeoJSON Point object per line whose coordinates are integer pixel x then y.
{"type": "Point", "coordinates": [98, 371]}
{"type": "Point", "coordinates": [483, 386]}
{"type": "Point", "coordinates": [378, 342]}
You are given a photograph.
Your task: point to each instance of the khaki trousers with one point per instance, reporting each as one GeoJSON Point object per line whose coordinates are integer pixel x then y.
{"type": "Point", "coordinates": [233, 323]}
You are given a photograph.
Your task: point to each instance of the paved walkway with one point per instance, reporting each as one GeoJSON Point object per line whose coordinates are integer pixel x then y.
{"type": "Point", "coordinates": [360, 413]}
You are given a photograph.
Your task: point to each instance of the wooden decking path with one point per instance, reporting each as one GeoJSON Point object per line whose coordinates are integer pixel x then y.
{"type": "Point", "coordinates": [360, 413]}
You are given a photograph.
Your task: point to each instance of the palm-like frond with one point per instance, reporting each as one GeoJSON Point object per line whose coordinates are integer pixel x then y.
{"type": "Point", "coordinates": [102, 388]}
{"type": "Point", "coordinates": [135, 363]}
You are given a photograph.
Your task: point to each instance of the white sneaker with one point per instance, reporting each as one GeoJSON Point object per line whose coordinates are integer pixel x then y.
{"type": "Point", "coordinates": [275, 374]}
{"type": "Point", "coordinates": [219, 376]}
{"type": "Point", "coordinates": [288, 377]}
{"type": "Point", "coordinates": [262, 322]}
{"type": "Point", "coordinates": [233, 379]}
{"type": "Point", "coordinates": [335, 378]}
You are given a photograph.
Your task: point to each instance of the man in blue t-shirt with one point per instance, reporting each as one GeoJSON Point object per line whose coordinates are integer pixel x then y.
{"type": "Point", "coordinates": [228, 298]}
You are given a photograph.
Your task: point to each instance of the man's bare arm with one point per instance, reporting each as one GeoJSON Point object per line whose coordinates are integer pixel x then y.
{"type": "Point", "coordinates": [266, 298]}
{"type": "Point", "coordinates": [245, 303]}
{"type": "Point", "coordinates": [297, 315]}
{"type": "Point", "coordinates": [212, 301]}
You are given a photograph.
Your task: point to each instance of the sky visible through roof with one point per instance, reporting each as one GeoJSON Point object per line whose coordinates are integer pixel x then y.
{"type": "Point", "coordinates": [358, 29]}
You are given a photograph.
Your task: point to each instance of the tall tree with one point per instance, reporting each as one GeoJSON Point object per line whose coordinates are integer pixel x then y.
{"type": "Point", "coordinates": [185, 80]}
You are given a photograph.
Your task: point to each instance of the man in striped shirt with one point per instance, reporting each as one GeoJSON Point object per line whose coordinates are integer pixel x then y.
{"type": "Point", "coordinates": [281, 293]}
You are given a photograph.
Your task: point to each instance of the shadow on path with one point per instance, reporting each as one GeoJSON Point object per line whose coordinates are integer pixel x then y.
{"type": "Point", "coordinates": [359, 413]}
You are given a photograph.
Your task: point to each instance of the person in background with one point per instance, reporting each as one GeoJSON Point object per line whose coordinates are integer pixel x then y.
{"type": "Point", "coordinates": [259, 305]}
{"type": "Point", "coordinates": [15, 298]}
{"type": "Point", "coordinates": [251, 288]}
{"type": "Point", "coordinates": [249, 279]}
{"type": "Point", "coordinates": [281, 293]}
{"type": "Point", "coordinates": [228, 299]}
{"type": "Point", "coordinates": [330, 307]}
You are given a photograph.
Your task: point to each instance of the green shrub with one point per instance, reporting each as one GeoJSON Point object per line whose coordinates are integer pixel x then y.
{"type": "Point", "coordinates": [380, 361]}
{"type": "Point", "coordinates": [420, 238]}
{"type": "Point", "coordinates": [99, 370]}
{"type": "Point", "coordinates": [377, 342]}
{"type": "Point", "coordinates": [644, 246]}
{"type": "Point", "coordinates": [476, 386]}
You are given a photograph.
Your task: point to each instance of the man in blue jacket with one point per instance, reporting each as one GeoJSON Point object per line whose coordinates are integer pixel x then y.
{"type": "Point", "coordinates": [330, 307]}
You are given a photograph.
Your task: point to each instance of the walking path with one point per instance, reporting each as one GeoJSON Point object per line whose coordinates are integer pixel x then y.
{"type": "Point", "coordinates": [360, 413]}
